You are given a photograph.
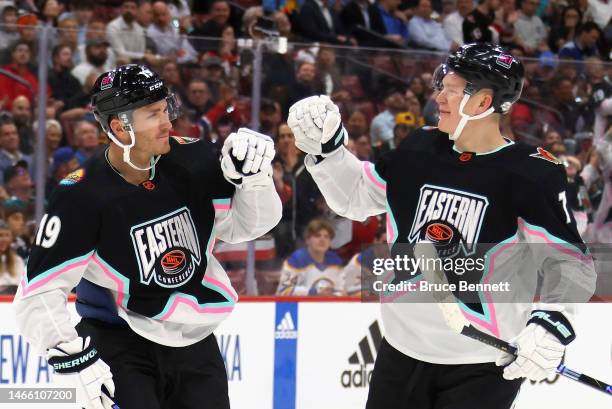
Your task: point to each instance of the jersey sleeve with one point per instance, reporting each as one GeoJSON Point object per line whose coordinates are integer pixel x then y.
{"type": "Point", "coordinates": [352, 188]}
{"type": "Point", "coordinates": [546, 223]}
{"type": "Point", "coordinates": [63, 245]}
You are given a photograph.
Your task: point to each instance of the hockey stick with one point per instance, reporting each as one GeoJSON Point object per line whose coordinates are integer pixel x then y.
{"type": "Point", "coordinates": [457, 322]}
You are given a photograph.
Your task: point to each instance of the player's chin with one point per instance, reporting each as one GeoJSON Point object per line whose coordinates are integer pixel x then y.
{"type": "Point", "coordinates": [163, 146]}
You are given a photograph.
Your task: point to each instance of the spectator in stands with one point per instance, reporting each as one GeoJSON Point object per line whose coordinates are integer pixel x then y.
{"type": "Point", "coordinates": [96, 60]}
{"type": "Point", "coordinates": [453, 23]}
{"type": "Point", "coordinates": [53, 137]}
{"type": "Point", "coordinates": [127, 37]}
{"type": "Point", "coordinates": [28, 31]}
{"type": "Point", "coordinates": [270, 117]}
{"type": "Point", "coordinates": [357, 124]}
{"type": "Point", "coordinates": [563, 100]}
{"type": "Point", "coordinates": [144, 15]}
{"type": "Point", "coordinates": [425, 32]}
{"type": "Point", "coordinates": [8, 26]}
{"type": "Point", "coordinates": [566, 30]}
{"type": "Point", "coordinates": [48, 11]}
{"type": "Point", "coordinates": [362, 13]}
{"type": "Point", "coordinates": [18, 184]}
{"type": "Point", "coordinates": [381, 129]}
{"type": "Point", "coordinates": [83, 11]}
{"type": "Point", "coordinates": [328, 74]}
{"type": "Point", "coordinates": [199, 99]}
{"type": "Point", "coordinates": [363, 147]}
{"type": "Point", "coordinates": [395, 28]}
{"type": "Point", "coordinates": [17, 222]}
{"type": "Point", "coordinates": [319, 22]}
{"type": "Point", "coordinates": [10, 154]}
{"type": "Point", "coordinates": [478, 25]}
{"type": "Point", "coordinates": [305, 84]}
{"type": "Point", "coordinates": [22, 116]}
{"type": "Point", "coordinates": [584, 45]}
{"type": "Point", "coordinates": [551, 136]}
{"type": "Point", "coordinates": [172, 79]}
{"type": "Point", "coordinates": [249, 18]}
{"type": "Point", "coordinates": [11, 265]}
{"type": "Point", "coordinates": [219, 19]}
{"type": "Point", "coordinates": [64, 162]}
{"type": "Point", "coordinates": [87, 136]}
{"type": "Point", "coordinates": [68, 34]}
{"type": "Point", "coordinates": [170, 43]}
{"type": "Point", "coordinates": [96, 30]}
{"type": "Point", "coordinates": [361, 266]}
{"type": "Point", "coordinates": [505, 17]}
{"type": "Point", "coordinates": [314, 269]}
{"type": "Point", "coordinates": [19, 66]}
{"type": "Point", "coordinates": [64, 85]}
{"type": "Point", "coordinates": [401, 132]}
{"type": "Point", "coordinates": [529, 30]}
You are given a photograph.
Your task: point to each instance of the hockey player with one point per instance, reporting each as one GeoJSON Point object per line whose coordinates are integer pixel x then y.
{"type": "Point", "coordinates": [489, 190]}
{"type": "Point", "coordinates": [133, 231]}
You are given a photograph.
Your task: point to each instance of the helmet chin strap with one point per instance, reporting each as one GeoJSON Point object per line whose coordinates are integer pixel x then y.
{"type": "Point", "coordinates": [465, 118]}
{"type": "Point", "coordinates": [126, 150]}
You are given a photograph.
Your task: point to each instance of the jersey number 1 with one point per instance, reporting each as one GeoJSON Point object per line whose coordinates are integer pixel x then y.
{"type": "Point", "coordinates": [48, 231]}
{"type": "Point", "coordinates": [563, 200]}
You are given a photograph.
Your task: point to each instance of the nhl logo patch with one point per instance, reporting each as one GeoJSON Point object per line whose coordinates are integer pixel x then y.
{"type": "Point", "coordinates": [547, 156]}
{"type": "Point", "coordinates": [107, 82]}
{"type": "Point", "coordinates": [505, 60]}
{"type": "Point", "coordinates": [73, 178]}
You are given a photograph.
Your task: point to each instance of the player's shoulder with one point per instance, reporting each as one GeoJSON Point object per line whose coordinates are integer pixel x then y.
{"type": "Point", "coordinates": [84, 181]}
{"type": "Point", "coordinates": [191, 153]}
{"type": "Point", "coordinates": [425, 138]}
{"type": "Point", "coordinates": [533, 163]}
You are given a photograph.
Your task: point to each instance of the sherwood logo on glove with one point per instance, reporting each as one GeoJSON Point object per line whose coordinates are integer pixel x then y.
{"type": "Point", "coordinates": [77, 362]}
{"type": "Point", "coordinates": [167, 249]}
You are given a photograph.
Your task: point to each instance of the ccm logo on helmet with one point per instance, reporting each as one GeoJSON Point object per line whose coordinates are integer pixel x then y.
{"type": "Point", "coordinates": [156, 86]}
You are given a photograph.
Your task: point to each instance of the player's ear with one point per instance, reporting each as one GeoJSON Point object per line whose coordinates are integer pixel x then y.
{"type": "Point", "coordinates": [486, 100]}
{"type": "Point", "coordinates": [118, 130]}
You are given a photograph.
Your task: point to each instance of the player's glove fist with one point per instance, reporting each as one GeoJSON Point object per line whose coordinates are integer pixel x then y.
{"type": "Point", "coordinates": [246, 159]}
{"type": "Point", "coordinates": [541, 345]}
{"type": "Point", "coordinates": [92, 375]}
{"type": "Point", "coordinates": [317, 125]}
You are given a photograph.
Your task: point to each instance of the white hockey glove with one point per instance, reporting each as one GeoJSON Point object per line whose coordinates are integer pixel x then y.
{"type": "Point", "coordinates": [246, 159]}
{"type": "Point", "coordinates": [94, 378]}
{"type": "Point", "coordinates": [317, 125]}
{"type": "Point", "coordinates": [541, 346]}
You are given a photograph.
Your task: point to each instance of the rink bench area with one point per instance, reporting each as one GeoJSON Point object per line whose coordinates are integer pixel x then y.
{"type": "Point", "coordinates": [317, 353]}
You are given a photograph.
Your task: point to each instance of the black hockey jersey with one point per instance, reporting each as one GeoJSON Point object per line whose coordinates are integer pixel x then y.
{"type": "Point", "coordinates": [513, 195]}
{"type": "Point", "coordinates": [141, 255]}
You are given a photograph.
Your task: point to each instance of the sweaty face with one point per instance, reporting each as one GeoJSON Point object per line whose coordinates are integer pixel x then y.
{"type": "Point", "coordinates": [152, 128]}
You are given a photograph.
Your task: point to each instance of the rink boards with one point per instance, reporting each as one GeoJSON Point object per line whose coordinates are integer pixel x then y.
{"type": "Point", "coordinates": [318, 355]}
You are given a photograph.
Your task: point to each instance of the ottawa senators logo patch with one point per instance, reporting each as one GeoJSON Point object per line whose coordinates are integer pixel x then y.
{"type": "Point", "coordinates": [547, 156]}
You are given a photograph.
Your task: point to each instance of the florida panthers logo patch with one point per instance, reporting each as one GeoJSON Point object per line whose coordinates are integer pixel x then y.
{"type": "Point", "coordinates": [167, 249]}
{"type": "Point", "coordinates": [547, 156]}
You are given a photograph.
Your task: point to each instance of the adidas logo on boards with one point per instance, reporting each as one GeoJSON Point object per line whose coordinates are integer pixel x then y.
{"type": "Point", "coordinates": [286, 328]}
{"type": "Point", "coordinates": [364, 357]}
